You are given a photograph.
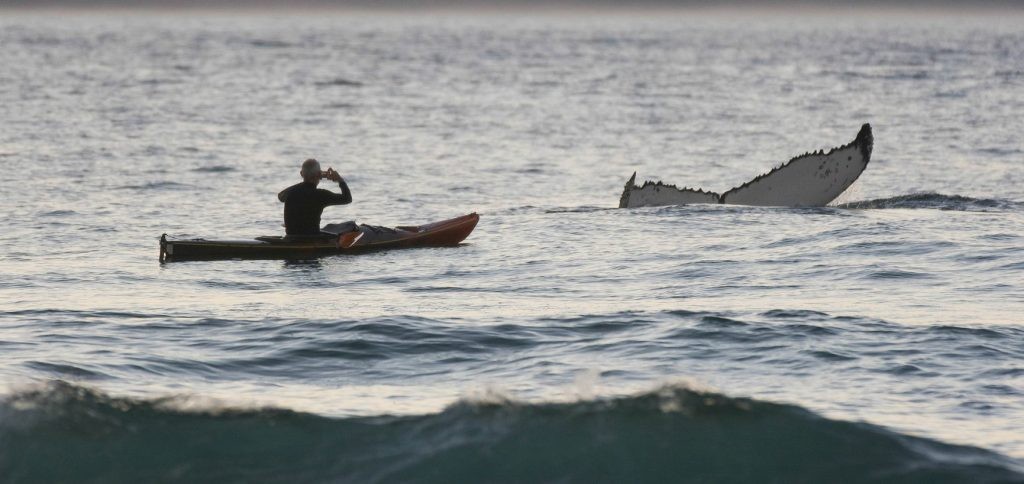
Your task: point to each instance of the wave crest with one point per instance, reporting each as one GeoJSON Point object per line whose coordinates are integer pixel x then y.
{"type": "Point", "coordinates": [673, 433]}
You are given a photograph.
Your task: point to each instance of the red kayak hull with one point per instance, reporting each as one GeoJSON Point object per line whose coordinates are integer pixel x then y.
{"type": "Point", "coordinates": [445, 233]}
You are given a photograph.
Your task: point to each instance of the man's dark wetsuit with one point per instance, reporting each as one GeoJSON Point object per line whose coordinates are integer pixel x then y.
{"type": "Point", "coordinates": [304, 203]}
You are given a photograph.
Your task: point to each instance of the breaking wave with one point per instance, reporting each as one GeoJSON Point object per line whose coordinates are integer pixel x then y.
{"type": "Point", "coordinates": [671, 434]}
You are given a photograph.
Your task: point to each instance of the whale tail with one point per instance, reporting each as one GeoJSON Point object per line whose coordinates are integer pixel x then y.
{"type": "Point", "coordinates": [653, 194]}
{"type": "Point", "coordinates": [809, 180]}
{"type": "Point", "coordinates": [630, 185]}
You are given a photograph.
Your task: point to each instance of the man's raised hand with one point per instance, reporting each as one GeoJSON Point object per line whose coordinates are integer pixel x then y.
{"type": "Point", "coordinates": [333, 175]}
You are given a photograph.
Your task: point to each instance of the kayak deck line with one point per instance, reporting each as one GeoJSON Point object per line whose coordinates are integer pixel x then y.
{"type": "Point", "coordinates": [445, 233]}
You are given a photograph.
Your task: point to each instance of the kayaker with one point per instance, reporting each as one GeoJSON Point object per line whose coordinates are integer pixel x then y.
{"type": "Point", "coordinates": [304, 202]}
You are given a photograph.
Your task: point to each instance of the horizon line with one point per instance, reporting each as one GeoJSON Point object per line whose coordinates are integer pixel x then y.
{"type": "Point", "coordinates": [929, 6]}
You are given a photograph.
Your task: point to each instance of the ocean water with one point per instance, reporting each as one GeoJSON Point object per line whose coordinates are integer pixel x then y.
{"type": "Point", "coordinates": [879, 339]}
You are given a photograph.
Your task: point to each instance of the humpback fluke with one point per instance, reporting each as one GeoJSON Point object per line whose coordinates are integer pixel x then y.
{"type": "Point", "coordinates": [653, 194]}
{"type": "Point", "coordinates": [809, 180]}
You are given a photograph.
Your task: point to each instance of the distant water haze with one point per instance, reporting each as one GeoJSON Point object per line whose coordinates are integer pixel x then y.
{"type": "Point", "coordinates": [534, 5]}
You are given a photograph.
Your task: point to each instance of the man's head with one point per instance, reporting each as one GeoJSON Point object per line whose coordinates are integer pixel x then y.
{"type": "Point", "coordinates": [311, 171]}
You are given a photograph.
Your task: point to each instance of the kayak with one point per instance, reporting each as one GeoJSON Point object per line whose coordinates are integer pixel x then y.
{"type": "Point", "coordinates": [359, 238]}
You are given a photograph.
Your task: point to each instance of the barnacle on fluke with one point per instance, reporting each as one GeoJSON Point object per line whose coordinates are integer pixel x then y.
{"type": "Point", "coordinates": [810, 180]}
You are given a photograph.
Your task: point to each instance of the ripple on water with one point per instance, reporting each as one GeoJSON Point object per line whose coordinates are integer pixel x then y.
{"type": "Point", "coordinates": [214, 169]}
{"type": "Point", "coordinates": [159, 185]}
{"type": "Point", "coordinates": [58, 370]}
{"type": "Point", "coordinates": [829, 356]}
{"type": "Point", "coordinates": [929, 200]}
{"type": "Point", "coordinates": [897, 274]}
{"type": "Point", "coordinates": [57, 213]}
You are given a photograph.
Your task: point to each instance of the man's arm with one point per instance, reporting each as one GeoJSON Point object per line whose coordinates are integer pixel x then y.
{"type": "Point", "coordinates": [331, 198]}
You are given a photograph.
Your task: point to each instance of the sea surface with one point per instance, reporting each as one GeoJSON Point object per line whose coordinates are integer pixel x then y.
{"type": "Point", "coordinates": [879, 339]}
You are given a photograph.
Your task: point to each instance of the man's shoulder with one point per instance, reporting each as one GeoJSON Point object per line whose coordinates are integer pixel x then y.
{"type": "Point", "coordinates": [283, 195]}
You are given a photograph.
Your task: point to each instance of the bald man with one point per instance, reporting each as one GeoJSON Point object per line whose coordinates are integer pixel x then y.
{"type": "Point", "coordinates": [304, 202]}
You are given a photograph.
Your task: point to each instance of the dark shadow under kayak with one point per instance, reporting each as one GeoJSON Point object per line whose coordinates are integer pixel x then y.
{"type": "Point", "coordinates": [363, 238]}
